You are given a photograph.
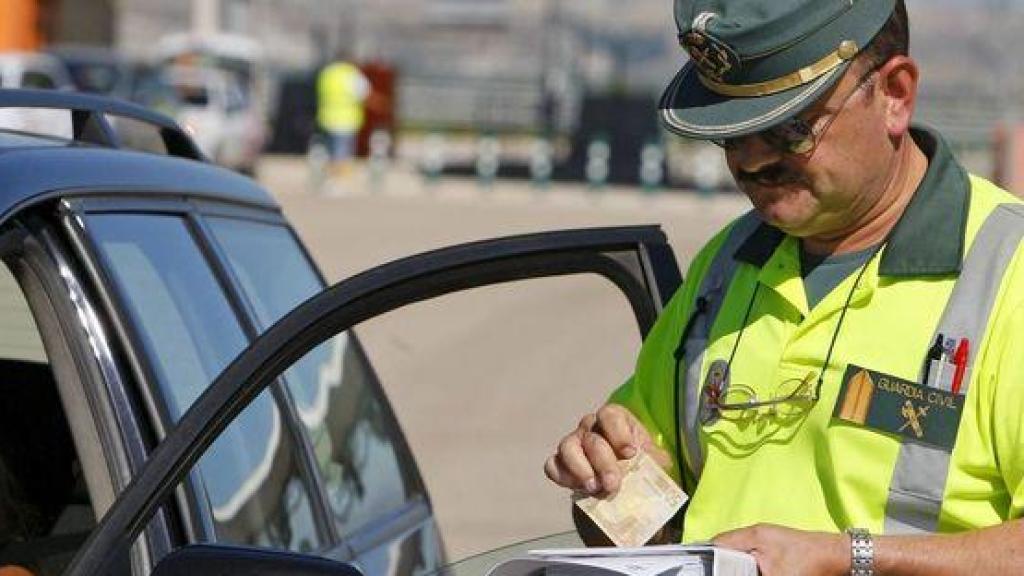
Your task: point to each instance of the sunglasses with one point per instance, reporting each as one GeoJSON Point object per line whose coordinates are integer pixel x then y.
{"type": "Point", "coordinates": [798, 136]}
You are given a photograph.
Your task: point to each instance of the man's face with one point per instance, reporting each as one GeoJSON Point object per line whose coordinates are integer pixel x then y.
{"type": "Point", "coordinates": [826, 191]}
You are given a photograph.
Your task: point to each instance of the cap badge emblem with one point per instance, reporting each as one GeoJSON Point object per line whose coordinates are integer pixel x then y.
{"type": "Point", "coordinates": [714, 58]}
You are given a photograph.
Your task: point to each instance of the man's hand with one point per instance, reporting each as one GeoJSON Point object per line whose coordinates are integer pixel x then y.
{"type": "Point", "coordinates": [587, 459]}
{"type": "Point", "coordinates": [788, 552]}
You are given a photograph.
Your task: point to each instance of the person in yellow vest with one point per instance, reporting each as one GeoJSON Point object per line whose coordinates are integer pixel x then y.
{"type": "Point", "coordinates": [839, 383]}
{"type": "Point", "coordinates": [342, 89]}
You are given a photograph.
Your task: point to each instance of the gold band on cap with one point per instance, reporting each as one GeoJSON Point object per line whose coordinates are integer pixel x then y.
{"type": "Point", "coordinates": [847, 50]}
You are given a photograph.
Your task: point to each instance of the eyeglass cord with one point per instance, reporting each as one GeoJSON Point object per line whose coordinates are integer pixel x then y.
{"type": "Point", "coordinates": [702, 307]}
{"type": "Point", "coordinates": [835, 333]}
{"type": "Point", "coordinates": [743, 328]}
{"type": "Point", "coordinates": [842, 316]}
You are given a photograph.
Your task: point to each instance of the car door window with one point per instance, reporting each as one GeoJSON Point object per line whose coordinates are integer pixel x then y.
{"type": "Point", "coordinates": [190, 333]}
{"type": "Point", "coordinates": [636, 259]}
{"type": "Point", "coordinates": [180, 310]}
{"type": "Point", "coordinates": [360, 452]}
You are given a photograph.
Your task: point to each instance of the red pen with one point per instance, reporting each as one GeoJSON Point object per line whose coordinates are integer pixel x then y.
{"type": "Point", "coordinates": [960, 360]}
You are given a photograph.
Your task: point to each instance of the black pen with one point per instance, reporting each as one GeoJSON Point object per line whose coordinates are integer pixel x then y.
{"type": "Point", "coordinates": [934, 353]}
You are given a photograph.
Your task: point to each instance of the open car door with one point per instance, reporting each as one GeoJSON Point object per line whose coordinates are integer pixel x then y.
{"type": "Point", "coordinates": [637, 260]}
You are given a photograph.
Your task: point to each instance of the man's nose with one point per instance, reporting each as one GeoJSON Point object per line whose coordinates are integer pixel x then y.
{"type": "Point", "coordinates": [752, 153]}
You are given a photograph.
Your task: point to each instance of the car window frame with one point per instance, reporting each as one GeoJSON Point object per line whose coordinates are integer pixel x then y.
{"type": "Point", "coordinates": [195, 517]}
{"type": "Point", "coordinates": [76, 334]}
{"type": "Point", "coordinates": [192, 507]}
{"type": "Point", "coordinates": [414, 511]}
{"type": "Point", "coordinates": [307, 456]}
{"type": "Point", "coordinates": [647, 279]}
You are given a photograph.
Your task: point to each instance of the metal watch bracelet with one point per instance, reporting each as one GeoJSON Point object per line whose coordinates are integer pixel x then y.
{"type": "Point", "coordinates": [862, 552]}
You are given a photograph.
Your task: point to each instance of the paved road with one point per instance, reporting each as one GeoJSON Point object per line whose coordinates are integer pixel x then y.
{"type": "Point", "coordinates": [485, 382]}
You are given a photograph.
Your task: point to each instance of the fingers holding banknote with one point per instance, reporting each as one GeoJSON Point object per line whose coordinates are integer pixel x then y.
{"type": "Point", "coordinates": [569, 466]}
{"type": "Point", "coordinates": [587, 458]}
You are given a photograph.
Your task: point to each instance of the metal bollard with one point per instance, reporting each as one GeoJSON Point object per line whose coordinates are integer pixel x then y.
{"type": "Point", "coordinates": [541, 163]}
{"type": "Point", "coordinates": [488, 161]}
{"type": "Point", "coordinates": [434, 159]}
{"type": "Point", "coordinates": [652, 166]}
{"type": "Point", "coordinates": [318, 157]}
{"type": "Point", "coordinates": [599, 155]}
{"type": "Point", "coordinates": [380, 157]}
{"type": "Point", "coordinates": [706, 170]}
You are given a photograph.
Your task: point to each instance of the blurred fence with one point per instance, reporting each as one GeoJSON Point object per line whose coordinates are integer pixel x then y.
{"type": "Point", "coordinates": [462, 103]}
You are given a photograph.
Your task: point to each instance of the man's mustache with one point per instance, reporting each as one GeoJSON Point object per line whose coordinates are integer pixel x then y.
{"type": "Point", "coordinates": [770, 176]}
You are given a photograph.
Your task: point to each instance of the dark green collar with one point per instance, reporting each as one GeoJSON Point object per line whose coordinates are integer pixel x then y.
{"type": "Point", "coordinates": [929, 238]}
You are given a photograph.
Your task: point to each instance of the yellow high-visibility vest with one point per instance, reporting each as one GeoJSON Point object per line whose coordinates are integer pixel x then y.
{"type": "Point", "coordinates": [820, 470]}
{"type": "Point", "coordinates": [341, 90]}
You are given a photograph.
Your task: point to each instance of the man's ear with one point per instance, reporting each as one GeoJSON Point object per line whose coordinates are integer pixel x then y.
{"type": "Point", "coordinates": [897, 84]}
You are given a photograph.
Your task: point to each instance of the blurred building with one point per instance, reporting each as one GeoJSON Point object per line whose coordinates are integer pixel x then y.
{"type": "Point", "coordinates": [20, 27]}
{"type": "Point", "coordinates": [526, 64]}
{"type": "Point", "coordinates": [529, 65]}
{"type": "Point", "coordinates": [519, 65]}
{"type": "Point", "coordinates": [30, 24]}
{"type": "Point", "coordinates": [972, 80]}
{"type": "Point", "coordinates": [494, 64]}
{"type": "Point", "coordinates": [290, 31]}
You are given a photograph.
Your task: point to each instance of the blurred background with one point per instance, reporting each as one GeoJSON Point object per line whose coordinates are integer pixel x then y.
{"type": "Point", "coordinates": [526, 89]}
{"type": "Point", "coordinates": [482, 118]}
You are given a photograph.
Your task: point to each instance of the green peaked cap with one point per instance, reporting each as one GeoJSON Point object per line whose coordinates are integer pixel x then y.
{"type": "Point", "coordinates": [756, 63]}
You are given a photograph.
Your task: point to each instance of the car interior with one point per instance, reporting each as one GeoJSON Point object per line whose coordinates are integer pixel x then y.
{"type": "Point", "coordinates": [45, 508]}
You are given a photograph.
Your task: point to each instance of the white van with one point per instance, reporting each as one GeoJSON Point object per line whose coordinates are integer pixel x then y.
{"type": "Point", "coordinates": [219, 115]}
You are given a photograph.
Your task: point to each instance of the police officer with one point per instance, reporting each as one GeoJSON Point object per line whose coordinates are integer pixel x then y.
{"type": "Point", "coordinates": [840, 378]}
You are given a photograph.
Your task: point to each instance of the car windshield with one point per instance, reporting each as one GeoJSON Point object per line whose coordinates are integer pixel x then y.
{"type": "Point", "coordinates": [192, 94]}
{"type": "Point", "coordinates": [480, 564]}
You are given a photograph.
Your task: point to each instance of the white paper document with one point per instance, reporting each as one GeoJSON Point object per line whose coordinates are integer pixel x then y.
{"type": "Point", "coordinates": [675, 560]}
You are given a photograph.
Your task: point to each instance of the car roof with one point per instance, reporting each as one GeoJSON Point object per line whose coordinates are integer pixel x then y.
{"type": "Point", "coordinates": [92, 103]}
{"type": "Point", "coordinates": [37, 173]}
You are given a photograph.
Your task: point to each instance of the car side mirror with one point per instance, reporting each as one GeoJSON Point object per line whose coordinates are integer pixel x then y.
{"type": "Point", "coordinates": [217, 559]}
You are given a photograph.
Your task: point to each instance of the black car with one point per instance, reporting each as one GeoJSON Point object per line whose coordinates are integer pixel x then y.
{"type": "Point", "coordinates": [182, 394]}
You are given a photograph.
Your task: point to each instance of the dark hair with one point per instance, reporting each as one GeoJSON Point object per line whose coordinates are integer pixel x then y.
{"type": "Point", "coordinates": [892, 40]}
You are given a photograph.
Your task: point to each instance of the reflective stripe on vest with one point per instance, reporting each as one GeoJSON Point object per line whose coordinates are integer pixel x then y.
{"type": "Point", "coordinates": [708, 303]}
{"type": "Point", "coordinates": [919, 478]}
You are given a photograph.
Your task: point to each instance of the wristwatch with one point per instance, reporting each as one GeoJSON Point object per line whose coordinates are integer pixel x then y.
{"type": "Point", "coordinates": [862, 552]}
